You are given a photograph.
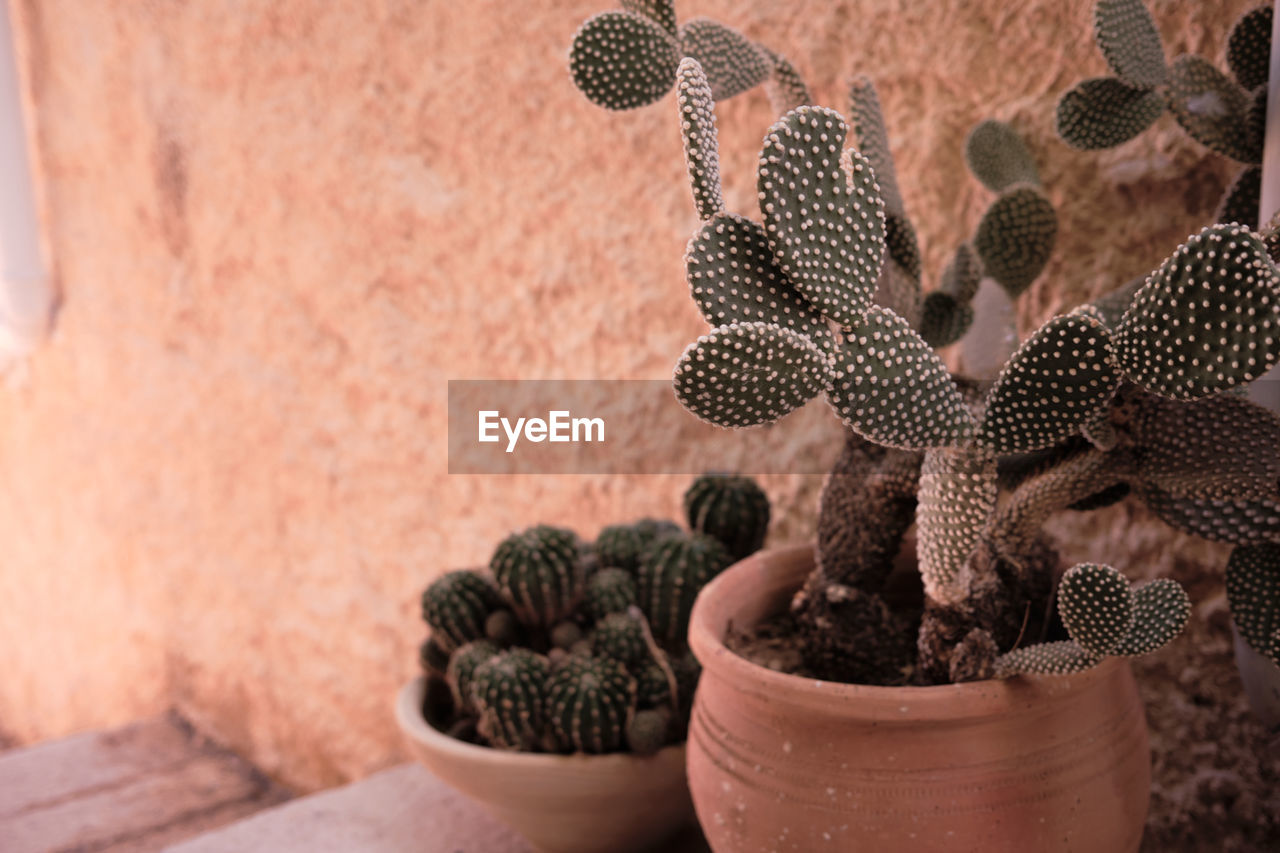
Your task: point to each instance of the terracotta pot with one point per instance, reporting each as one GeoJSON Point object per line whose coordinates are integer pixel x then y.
{"type": "Point", "coordinates": [560, 803]}
{"type": "Point", "coordinates": [783, 763]}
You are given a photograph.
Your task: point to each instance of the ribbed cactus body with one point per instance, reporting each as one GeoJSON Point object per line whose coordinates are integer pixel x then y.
{"type": "Point", "coordinates": [620, 636]}
{"type": "Point", "coordinates": [509, 692]}
{"type": "Point", "coordinates": [731, 508]}
{"type": "Point", "coordinates": [540, 573]}
{"type": "Point", "coordinates": [620, 546]}
{"type": "Point", "coordinates": [589, 701]}
{"type": "Point", "coordinates": [609, 591]}
{"type": "Point", "coordinates": [461, 669]}
{"type": "Point", "coordinates": [456, 606]}
{"type": "Point", "coordinates": [671, 573]}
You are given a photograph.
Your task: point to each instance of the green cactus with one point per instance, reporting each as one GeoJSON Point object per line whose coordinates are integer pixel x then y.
{"type": "Point", "coordinates": [671, 573]}
{"type": "Point", "coordinates": [731, 508]}
{"type": "Point", "coordinates": [462, 668]}
{"type": "Point", "coordinates": [1212, 109]}
{"type": "Point", "coordinates": [944, 319]}
{"type": "Point", "coordinates": [509, 691]}
{"type": "Point", "coordinates": [733, 64]}
{"type": "Point", "coordinates": [622, 60]}
{"type": "Point", "coordinates": [701, 142]}
{"type": "Point", "coordinates": [1104, 616]}
{"type": "Point", "coordinates": [588, 703]}
{"type": "Point", "coordinates": [1015, 237]}
{"type": "Point", "coordinates": [620, 546]}
{"type": "Point", "coordinates": [747, 374]}
{"type": "Point", "coordinates": [540, 573]}
{"type": "Point", "coordinates": [653, 688]}
{"type": "Point", "coordinates": [1104, 112]}
{"type": "Point", "coordinates": [1130, 42]}
{"type": "Point", "coordinates": [1220, 343]}
{"type": "Point", "coordinates": [1253, 590]}
{"type": "Point", "coordinates": [620, 636]}
{"type": "Point", "coordinates": [456, 605]}
{"type": "Point", "coordinates": [648, 731]}
{"type": "Point", "coordinates": [661, 12]}
{"type": "Point", "coordinates": [998, 157]}
{"type": "Point", "coordinates": [1249, 47]}
{"type": "Point", "coordinates": [1239, 206]}
{"type": "Point", "coordinates": [1097, 390]}
{"type": "Point", "coordinates": [609, 591]}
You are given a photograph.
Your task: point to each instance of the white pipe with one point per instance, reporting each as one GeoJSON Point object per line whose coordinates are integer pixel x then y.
{"type": "Point", "coordinates": [1266, 389]}
{"type": "Point", "coordinates": [26, 299]}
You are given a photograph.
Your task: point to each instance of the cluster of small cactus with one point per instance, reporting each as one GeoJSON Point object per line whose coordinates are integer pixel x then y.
{"type": "Point", "coordinates": [823, 296]}
{"type": "Point", "coordinates": [561, 646]}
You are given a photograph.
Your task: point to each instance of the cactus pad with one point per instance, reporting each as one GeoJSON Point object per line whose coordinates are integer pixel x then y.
{"type": "Point", "coordinates": [1238, 522]}
{"type": "Point", "coordinates": [1130, 42]}
{"type": "Point", "coordinates": [1161, 609]}
{"type": "Point", "coordinates": [610, 590]}
{"type": "Point", "coordinates": [746, 374]}
{"type": "Point", "coordinates": [540, 573]}
{"type": "Point", "coordinates": [1060, 376]}
{"type": "Point", "coordinates": [731, 508]}
{"type": "Point", "coordinates": [822, 213]}
{"type": "Point", "coordinates": [1212, 108]}
{"type": "Point", "coordinates": [998, 157]}
{"type": "Point", "coordinates": [1097, 607]}
{"type": "Point", "coordinates": [1241, 202]}
{"type": "Point", "coordinates": [733, 64]}
{"type": "Point", "coordinates": [943, 319]}
{"type": "Point", "coordinates": [891, 388]}
{"type": "Point", "coordinates": [462, 666]}
{"type": "Point", "coordinates": [900, 240]}
{"type": "Point", "coordinates": [962, 275]}
{"type": "Point", "coordinates": [733, 279]}
{"type": "Point", "coordinates": [456, 605]}
{"type": "Point", "coordinates": [1219, 447]}
{"type": "Point", "coordinates": [701, 145]}
{"type": "Point", "coordinates": [873, 141]}
{"type": "Point", "coordinates": [1104, 112]}
{"type": "Point", "coordinates": [1112, 306]}
{"type": "Point", "coordinates": [1249, 47]}
{"type": "Point", "coordinates": [662, 12]}
{"type": "Point", "coordinates": [589, 701]}
{"type": "Point", "coordinates": [1016, 237]}
{"type": "Point", "coordinates": [1061, 658]}
{"type": "Point", "coordinates": [957, 495]}
{"type": "Point", "coordinates": [1206, 320]}
{"type": "Point", "coordinates": [509, 691]}
{"type": "Point", "coordinates": [786, 88]}
{"type": "Point", "coordinates": [672, 572]}
{"type": "Point", "coordinates": [621, 60]}
{"type": "Point", "coordinates": [1253, 589]}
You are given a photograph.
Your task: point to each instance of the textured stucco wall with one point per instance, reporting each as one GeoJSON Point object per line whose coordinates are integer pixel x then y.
{"type": "Point", "coordinates": [280, 226]}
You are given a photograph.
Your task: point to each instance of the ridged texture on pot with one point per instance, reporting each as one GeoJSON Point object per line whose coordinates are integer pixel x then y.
{"type": "Point", "coordinates": [780, 762]}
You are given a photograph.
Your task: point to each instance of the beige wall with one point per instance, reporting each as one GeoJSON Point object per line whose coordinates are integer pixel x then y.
{"type": "Point", "coordinates": [280, 226]}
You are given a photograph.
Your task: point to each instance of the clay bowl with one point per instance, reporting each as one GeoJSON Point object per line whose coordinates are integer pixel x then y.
{"type": "Point", "coordinates": [784, 763]}
{"type": "Point", "coordinates": [559, 803]}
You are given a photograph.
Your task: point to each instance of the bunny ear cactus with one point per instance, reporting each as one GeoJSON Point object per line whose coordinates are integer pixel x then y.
{"type": "Point", "coordinates": [1240, 203]}
{"type": "Point", "coordinates": [1104, 616]}
{"type": "Point", "coordinates": [787, 89]}
{"type": "Point", "coordinates": [998, 157]}
{"type": "Point", "coordinates": [1253, 590]}
{"type": "Point", "coordinates": [630, 58]}
{"type": "Point", "coordinates": [1206, 320]}
{"type": "Point", "coordinates": [1220, 113]}
{"type": "Point", "coordinates": [1015, 237]}
{"type": "Point", "coordinates": [701, 146]}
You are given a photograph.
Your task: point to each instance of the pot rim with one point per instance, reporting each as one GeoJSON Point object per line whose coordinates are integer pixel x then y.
{"type": "Point", "coordinates": [712, 616]}
{"type": "Point", "coordinates": [409, 715]}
